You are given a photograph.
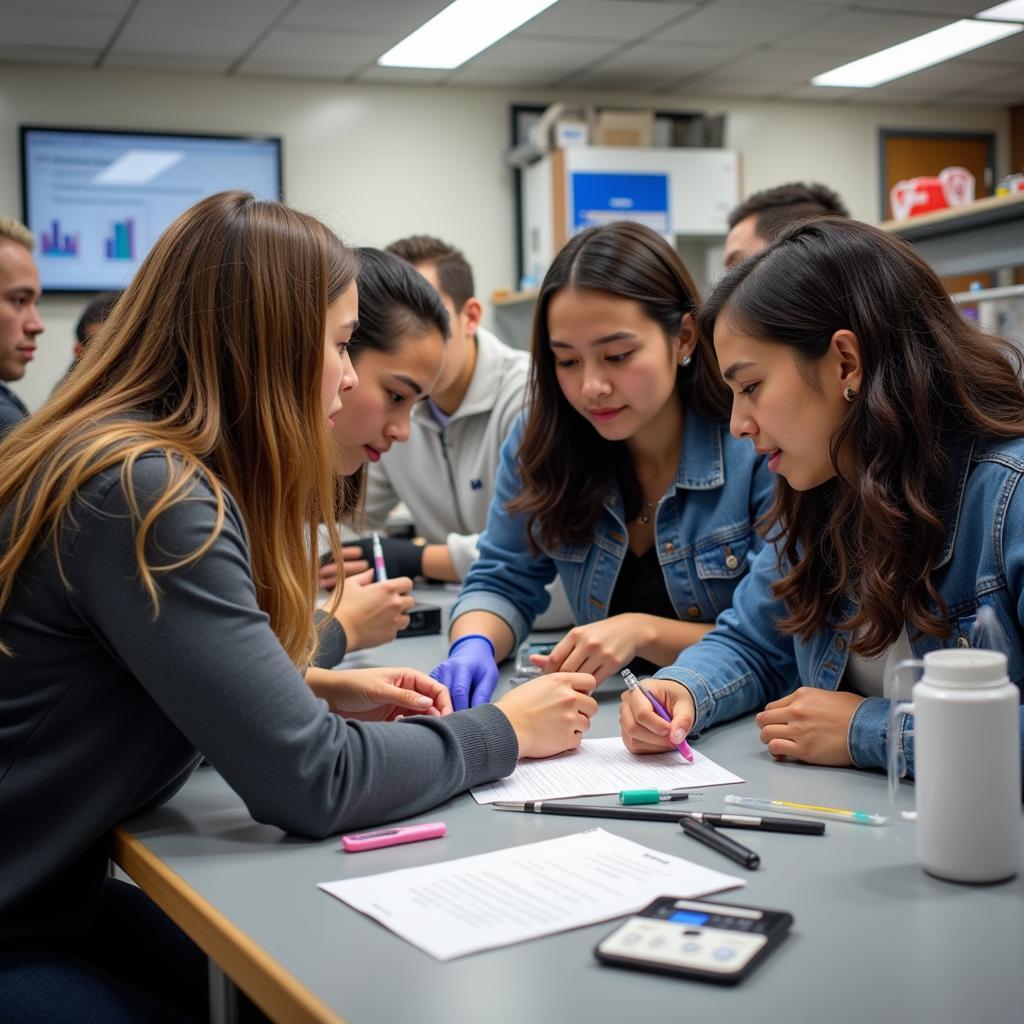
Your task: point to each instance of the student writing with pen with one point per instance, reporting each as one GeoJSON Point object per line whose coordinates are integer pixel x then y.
{"type": "Point", "coordinates": [621, 479]}
{"type": "Point", "coordinates": [896, 429]}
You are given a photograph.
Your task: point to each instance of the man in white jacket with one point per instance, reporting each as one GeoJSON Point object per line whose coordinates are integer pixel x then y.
{"type": "Point", "coordinates": [445, 472]}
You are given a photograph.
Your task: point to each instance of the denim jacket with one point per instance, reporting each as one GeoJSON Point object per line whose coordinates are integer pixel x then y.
{"type": "Point", "coordinates": [744, 663]}
{"type": "Point", "coordinates": [704, 531]}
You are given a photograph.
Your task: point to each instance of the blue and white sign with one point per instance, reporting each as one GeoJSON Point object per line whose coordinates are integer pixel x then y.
{"type": "Point", "coordinates": [601, 198]}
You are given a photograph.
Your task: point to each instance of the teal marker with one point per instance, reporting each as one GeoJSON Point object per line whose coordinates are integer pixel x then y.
{"type": "Point", "coordinates": [653, 796]}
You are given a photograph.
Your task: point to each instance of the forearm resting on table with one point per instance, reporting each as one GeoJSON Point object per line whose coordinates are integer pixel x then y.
{"type": "Point", "coordinates": [663, 639]}
{"type": "Point", "coordinates": [438, 565]}
{"type": "Point", "coordinates": [486, 624]}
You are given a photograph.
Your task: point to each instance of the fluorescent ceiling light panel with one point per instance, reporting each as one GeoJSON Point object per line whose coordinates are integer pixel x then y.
{"type": "Point", "coordinates": [915, 54]}
{"type": "Point", "coordinates": [461, 31]}
{"type": "Point", "coordinates": [1011, 11]}
{"type": "Point", "coordinates": [138, 166]}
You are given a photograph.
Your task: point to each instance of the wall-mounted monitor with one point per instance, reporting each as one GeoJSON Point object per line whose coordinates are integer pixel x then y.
{"type": "Point", "coordinates": [98, 200]}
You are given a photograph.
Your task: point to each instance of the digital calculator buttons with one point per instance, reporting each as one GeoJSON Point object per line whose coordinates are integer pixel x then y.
{"type": "Point", "coordinates": [724, 953]}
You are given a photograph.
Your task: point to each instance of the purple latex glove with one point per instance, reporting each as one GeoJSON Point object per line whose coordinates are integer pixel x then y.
{"type": "Point", "coordinates": [470, 671]}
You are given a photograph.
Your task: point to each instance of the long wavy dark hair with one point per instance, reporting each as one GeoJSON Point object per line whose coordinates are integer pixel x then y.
{"type": "Point", "coordinates": [566, 468]}
{"type": "Point", "coordinates": [931, 381]}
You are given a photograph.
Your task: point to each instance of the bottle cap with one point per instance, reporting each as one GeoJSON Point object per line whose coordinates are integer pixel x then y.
{"type": "Point", "coordinates": [965, 668]}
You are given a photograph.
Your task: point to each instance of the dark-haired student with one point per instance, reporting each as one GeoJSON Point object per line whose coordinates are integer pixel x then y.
{"type": "Point", "coordinates": [454, 437]}
{"type": "Point", "coordinates": [897, 429]}
{"type": "Point", "coordinates": [92, 318]}
{"type": "Point", "coordinates": [763, 217]}
{"type": "Point", "coordinates": [398, 351]}
{"type": "Point", "coordinates": [621, 478]}
{"type": "Point", "coordinates": [156, 583]}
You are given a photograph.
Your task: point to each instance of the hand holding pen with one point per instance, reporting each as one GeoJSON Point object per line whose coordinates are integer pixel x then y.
{"type": "Point", "coordinates": [642, 723]}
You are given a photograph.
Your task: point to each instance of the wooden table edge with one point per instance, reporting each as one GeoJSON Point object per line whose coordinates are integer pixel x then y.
{"type": "Point", "coordinates": [251, 968]}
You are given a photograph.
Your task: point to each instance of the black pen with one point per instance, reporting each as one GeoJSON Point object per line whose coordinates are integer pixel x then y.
{"type": "Point", "coordinates": [723, 844]}
{"type": "Point", "coordinates": [749, 821]}
{"type": "Point", "coordinates": [796, 826]}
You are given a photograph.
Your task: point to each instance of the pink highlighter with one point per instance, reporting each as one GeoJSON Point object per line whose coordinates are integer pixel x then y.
{"type": "Point", "coordinates": [359, 841]}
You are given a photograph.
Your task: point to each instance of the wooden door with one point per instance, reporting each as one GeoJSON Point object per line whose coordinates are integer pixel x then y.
{"type": "Point", "coordinates": [911, 154]}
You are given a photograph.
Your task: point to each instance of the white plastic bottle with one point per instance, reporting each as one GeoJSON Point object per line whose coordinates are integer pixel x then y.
{"type": "Point", "coordinates": [967, 766]}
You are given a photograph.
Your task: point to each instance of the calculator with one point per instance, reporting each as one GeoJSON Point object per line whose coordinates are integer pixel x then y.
{"type": "Point", "coordinates": [699, 939]}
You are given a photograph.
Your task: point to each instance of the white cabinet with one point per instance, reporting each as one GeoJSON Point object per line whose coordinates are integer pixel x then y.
{"type": "Point", "coordinates": [682, 193]}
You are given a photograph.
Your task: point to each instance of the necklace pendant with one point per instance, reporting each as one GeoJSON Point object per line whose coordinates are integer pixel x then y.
{"type": "Point", "coordinates": [645, 517]}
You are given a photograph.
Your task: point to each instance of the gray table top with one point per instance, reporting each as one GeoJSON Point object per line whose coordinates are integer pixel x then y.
{"type": "Point", "coordinates": [874, 936]}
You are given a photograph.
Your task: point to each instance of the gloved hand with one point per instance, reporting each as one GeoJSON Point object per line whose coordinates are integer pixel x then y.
{"type": "Point", "coordinates": [401, 557]}
{"type": "Point", "coordinates": [470, 672]}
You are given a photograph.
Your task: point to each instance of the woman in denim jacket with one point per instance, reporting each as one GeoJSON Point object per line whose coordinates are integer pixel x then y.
{"type": "Point", "coordinates": [898, 428]}
{"type": "Point", "coordinates": [622, 478]}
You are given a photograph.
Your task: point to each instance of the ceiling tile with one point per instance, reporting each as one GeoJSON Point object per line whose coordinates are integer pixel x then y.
{"type": "Point", "coordinates": [404, 76]}
{"type": "Point", "coordinates": [168, 62]}
{"type": "Point", "coordinates": [156, 36]}
{"type": "Point", "coordinates": [778, 64]}
{"type": "Point", "coordinates": [651, 66]}
{"type": "Point", "coordinates": [821, 94]}
{"type": "Point", "coordinates": [69, 29]}
{"type": "Point", "coordinates": [614, 20]}
{"type": "Point", "coordinates": [861, 31]}
{"type": "Point", "coordinates": [979, 99]}
{"type": "Point", "coordinates": [743, 23]}
{"type": "Point", "coordinates": [952, 76]}
{"type": "Point", "coordinates": [538, 78]}
{"type": "Point", "coordinates": [304, 46]}
{"type": "Point", "coordinates": [398, 17]}
{"type": "Point", "coordinates": [727, 84]}
{"type": "Point", "coordinates": [560, 56]}
{"type": "Point", "coordinates": [241, 13]}
{"type": "Point", "coordinates": [115, 8]}
{"type": "Point", "coordinates": [955, 8]}
{"type": "Point", "coordinates": [46, 55]}
{"type": "Point", "coordinates": [1009, 50]}
{"type": "Point", "coordinates": [336, 70]}
{"type": "Point", "coordinates": [1001, 85]}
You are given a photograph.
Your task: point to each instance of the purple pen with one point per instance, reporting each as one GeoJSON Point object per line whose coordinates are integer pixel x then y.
{"type": "Point", "coordinates": [634, 684]}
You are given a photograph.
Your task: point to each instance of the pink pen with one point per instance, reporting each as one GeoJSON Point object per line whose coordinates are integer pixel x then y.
{"type": "Point", "coordinates": [378, 559]}
{"type": "Point", "coordinates": [634, 684]}
{"type": "Point", "coordinates": [356, 842]}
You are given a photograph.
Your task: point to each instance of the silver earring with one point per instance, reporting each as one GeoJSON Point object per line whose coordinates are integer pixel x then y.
{"type": "Point", "coordinates": [686, 360]}
{"type": "Point", "coordinates": [849, 394]}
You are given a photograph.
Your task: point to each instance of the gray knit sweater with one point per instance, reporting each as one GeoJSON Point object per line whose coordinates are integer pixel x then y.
{"type": "Point", "coordinates": [104, 709]}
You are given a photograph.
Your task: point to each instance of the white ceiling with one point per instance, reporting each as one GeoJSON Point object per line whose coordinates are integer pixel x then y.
{"type": "Point", "coordinates": [743, 48]}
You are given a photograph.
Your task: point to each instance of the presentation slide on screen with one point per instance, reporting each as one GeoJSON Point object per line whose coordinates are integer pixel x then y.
{"type": "Point", "coordinates": [97, 202]}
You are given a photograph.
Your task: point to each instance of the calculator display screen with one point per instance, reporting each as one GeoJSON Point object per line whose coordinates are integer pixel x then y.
{"type": "Point", "coordinates": [688, 917]}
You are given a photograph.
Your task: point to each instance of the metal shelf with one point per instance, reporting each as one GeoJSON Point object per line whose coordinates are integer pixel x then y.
{"type": "Point", "coordinates": [987, 235]}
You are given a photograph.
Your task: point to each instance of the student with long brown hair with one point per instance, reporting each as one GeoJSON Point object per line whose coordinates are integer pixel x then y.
{"type": "Point", "coordinates": [897, 429]}
{"type": "Point", "coordinates": [156, 587]}
{"type": "Point", "coordinates": [622, 478]}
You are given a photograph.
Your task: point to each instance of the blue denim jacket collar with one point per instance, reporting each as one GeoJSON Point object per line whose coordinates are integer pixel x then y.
{"type": "Point", "coordinates": [960, 466]}
{"type": "Point", "coordinates": [701, 461]}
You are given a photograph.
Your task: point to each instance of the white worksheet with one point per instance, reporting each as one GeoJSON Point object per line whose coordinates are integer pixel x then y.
{"type": "Point", "coordinates": [494, 899]}
{"type": "Point", "coordinates": [603, 766]}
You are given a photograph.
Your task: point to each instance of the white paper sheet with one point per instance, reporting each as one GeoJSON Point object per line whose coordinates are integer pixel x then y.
{"type": "Point", "coordinates": [474, 903]}
{"type": "Point", "coordinates": [603, 766]}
